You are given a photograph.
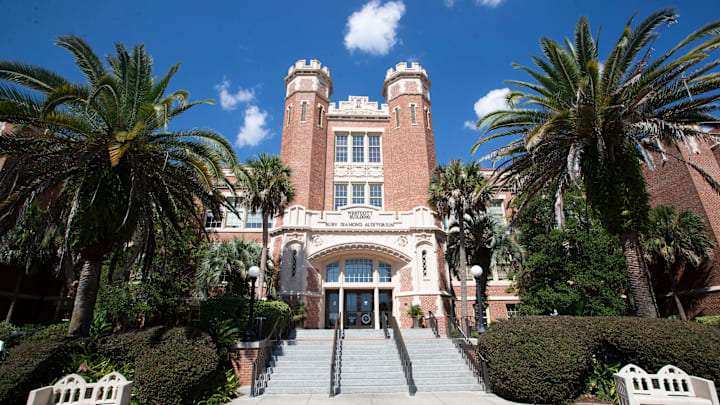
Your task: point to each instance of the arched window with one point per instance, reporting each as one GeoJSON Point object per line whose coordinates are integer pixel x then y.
{"type": "Point", "coordinates": [358, 271]}
{"type": "Point", "coordinates": [424, 263]}
{"type": "Point", "coordinates": [294, 262]}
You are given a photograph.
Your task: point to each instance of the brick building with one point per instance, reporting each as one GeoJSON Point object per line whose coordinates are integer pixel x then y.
{"type": "Point", "coordinates": [359, 238]}
{"type": "Point", "coordinates": [675, 183]}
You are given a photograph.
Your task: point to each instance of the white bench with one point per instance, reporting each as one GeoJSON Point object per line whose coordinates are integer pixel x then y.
{"type": "Point", "coordinates": [634, 386]}
{"type": "Point", "coordinates": [113, 389]}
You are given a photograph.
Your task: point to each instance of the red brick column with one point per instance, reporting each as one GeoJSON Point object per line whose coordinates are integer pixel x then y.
{"type": "Point", "coordinates": [242, 356]}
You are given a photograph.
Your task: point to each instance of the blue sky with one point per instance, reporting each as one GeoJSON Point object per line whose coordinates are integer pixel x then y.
{"type": "Point", "coordinates": [245, 48]}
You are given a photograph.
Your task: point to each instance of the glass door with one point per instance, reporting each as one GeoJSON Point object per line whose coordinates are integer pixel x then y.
{"type": "Point", "coordinates": [332, 309]}
{"type": "Point", "coordinates": [359, 309]}
{"type": "Point", "coordinates": [385, 304]}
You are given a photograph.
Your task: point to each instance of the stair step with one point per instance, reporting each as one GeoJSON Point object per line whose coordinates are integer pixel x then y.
{"type": "Point", "coordinates": [298, 390]}
{"type": "Point", "coordinates": [363, 389]}
{"type": "Point", "coordinates": [449, 387]}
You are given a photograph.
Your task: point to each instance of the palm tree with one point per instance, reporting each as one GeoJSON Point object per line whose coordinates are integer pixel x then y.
{"type": "Point", "coordinates": [267, 189]}
{"type": "Point", "coordinates": [490, 243]}
{"type": "Point", "coordinates": [674, 240]}
{"type": "Point", "coordinates": [457, 189]}
{"type": "Point", "coordinates": [230, 259]}
{"type": "Point", "coordinates": [602, 120]}
{"type": "Point", "coordinates": [103, 151]}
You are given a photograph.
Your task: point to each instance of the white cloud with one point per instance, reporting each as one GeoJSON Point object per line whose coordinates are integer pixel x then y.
{"type": "Point", "coordinates": [254, 128]}
{"type": "Point", "coordinates": [489, 3]}
{"type": "Point", "coordinates": [494, 100]}
{"type": "Point", "coordinates": [449, 3]}
{"type": "Point", "coordinates": [229, 101]}
{"type": "Point", "coordinates": [373, 29]}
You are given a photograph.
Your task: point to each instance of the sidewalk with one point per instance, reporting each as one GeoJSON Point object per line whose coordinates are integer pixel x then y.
{"type": "Point", "coordinates": [421, 398]}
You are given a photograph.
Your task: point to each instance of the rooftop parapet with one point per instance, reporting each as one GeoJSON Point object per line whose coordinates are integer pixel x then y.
{"type": "Point", "coordinates": [302, 65]}
{"type": "Point", "coordinates": [359, 106]}
{"type": "Point", "coordinates": [403, 67]}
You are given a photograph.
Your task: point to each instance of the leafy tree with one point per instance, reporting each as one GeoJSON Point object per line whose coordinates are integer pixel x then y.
{"type": "Point", "coordinates": [674, 240]}
{"type": "Point", "coordinates": [103, 151]}
{"type": "Point", "coordinates": [228, 261]}
{"type": "Point", "coordinates": [489, 244]}
{"type": "Point", "coordinates": [578, 270]}
{"type": "Point", "coordinates": [457, 189]}
{"type": "Point", "coordinates": [604, 119]}
{"type": "Point", "coordinates": [267, 189]}
{"type": "Point", "coordinates": [134, 296]}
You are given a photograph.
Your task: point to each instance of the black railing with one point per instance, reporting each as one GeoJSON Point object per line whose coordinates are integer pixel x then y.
{"type": "Point", "coordinates": [404, 356]}
{"type": "Point", "coordinates": [334, 366]}
{"type": "Point", "coordinates": [469, 352]}
{"type": "Point", "coordinates": [259, 369]}
{"type": "Point", "coordinates": [384, 324]}
{"type": "Point", "coordinates": [432, 320]}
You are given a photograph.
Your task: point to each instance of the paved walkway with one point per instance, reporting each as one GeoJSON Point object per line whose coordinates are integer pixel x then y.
{"type": "Point", "coordinates": [421, 398]}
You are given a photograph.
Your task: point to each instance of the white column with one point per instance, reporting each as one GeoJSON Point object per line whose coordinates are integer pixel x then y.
{"type": "Point", "coordinates": [342, 307]}
{"type": "Point", "coordinates": [376, 307]}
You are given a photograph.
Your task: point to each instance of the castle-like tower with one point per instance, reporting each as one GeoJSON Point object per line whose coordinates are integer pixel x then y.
{"type": "Point", "coordinates": [360, 239]}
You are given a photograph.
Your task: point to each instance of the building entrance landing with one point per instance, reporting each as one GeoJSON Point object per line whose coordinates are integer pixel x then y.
{"type": "Point", "coordinates": [360, 308]}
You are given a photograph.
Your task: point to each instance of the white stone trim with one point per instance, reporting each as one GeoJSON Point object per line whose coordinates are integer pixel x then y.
{"type": "Point", "coordinates": [359, 129]}
{"type": "Point", "coordinates": [416, 293]}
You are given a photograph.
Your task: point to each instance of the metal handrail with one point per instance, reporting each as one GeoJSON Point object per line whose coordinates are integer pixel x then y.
{"type": "Point", "coordinates": [433, 323]}
{"type": "Point", "coordinates": [404, 356]}
{"type": "Point", "coordinates": [384, 323]}
{"type": "Point", "coordinates": [259, 368]}
{"type": "Point", "coordinates": [334, 369]}
{"type": "Point", "coordinates": [470, 352]}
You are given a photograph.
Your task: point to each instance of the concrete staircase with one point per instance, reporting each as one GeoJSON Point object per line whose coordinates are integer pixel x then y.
{"type": "Point", "coordinates": [302, 363]}
{"type": "Point", "coordinates": [370, 363]}
{"type": "Point", "coordinates": [437, 364]}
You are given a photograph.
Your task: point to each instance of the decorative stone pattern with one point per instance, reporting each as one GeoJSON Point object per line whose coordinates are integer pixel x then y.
{"type": "Point", "coordinates": [369, 172]}
{"type": "Point", "coordinates": [358, 106]}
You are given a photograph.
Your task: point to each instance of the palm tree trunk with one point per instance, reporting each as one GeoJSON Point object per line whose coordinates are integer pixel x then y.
{"type": "Point", "coordinates": [87, 291]}
{"type": "Point", "coordinates": [263, 254]}
{"type": "Point", "coordinates": [640, 288]}
{"type": "Point", "coordinates": [463, 275]}
{"type": "Point", "coordinates": [678, 304]}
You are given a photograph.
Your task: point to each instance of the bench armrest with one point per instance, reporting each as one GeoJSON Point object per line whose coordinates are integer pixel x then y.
{"type": "Point", "coordinates": [705, 389]}
{"type": "Point", "coordinates": [125, 390]}
{"type": "Point", "coordinates": [41, 396]}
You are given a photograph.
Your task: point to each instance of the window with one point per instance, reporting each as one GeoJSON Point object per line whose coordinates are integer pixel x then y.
{"type": "Point", "coordinates": [332, 272]}
{"type": "Point", "coordinates": [289, 114]}
{"type": "Point", "coordinates": [385, 272]}
{"type": "Point", "coordinates": [254, 220]}
{"type": "Point", "coordinates": [211, 221]}
{"type": "Point", "coordinates": [502, 271]}
{"type": "Point", "coordinates": [341, 148]}
{"type": "Point", "coordinates": [424, 263]}
{"type": "Point", "coordinates": [397, 117]}
{"type": "Point", "coordinates": [304, 112]}
{"type": "Point", "coordinates": [294, 262]}
{"type": "Point", "coordinates": [358, 193]}
{"type": "Point", "coordinates": [358, 150]}
{"type": "Point", "coordinates": [512, 310]}
{"type": "Point", "coordinates": [235, 221]}
{"type": "Point", "coordinates": [427, 117]}
{"type": "Point", "coordinates": [413, 117]}
{"type": "Point", "coordinates": [358, 270]}
{"type": "Point", "coordinates": [376, 195]}
{"type": "Point", "coordinates": [320, 115]}
{"type": "Point", "coordinates": [340, 196]}
{"type": "Point", "coordinates": [373, 149]}
{"type": "Point", "coordinates": [496, 209]}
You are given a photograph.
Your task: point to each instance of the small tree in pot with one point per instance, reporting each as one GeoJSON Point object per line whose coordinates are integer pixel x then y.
{"type": "Point", "coordinates": [416, 313]}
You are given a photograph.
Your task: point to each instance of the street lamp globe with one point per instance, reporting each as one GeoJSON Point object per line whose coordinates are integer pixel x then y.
{"type": "Point", "coordinates": [254, 271]}
{"type": "Point", "coordinates": [476, 271]}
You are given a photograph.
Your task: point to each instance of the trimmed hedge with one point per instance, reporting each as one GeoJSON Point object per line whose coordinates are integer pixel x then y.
{"type": "Point", "coordinates": [548, 359]}
{"type": "Point", "coordinates": [237, 309]}
{"type": "Point", "coordinates": [172, 365]}
{"type": "Point", "coordinates": [32, 365]}
{"type": "Point", "coordinates": [32, 332]}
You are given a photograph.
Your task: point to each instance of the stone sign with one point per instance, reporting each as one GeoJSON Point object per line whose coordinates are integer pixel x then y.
{"type": "Point", "coordinates": [361, 218]}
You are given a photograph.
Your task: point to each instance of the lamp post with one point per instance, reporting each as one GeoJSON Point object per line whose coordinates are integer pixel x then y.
{"type": "Point", "coordinates": [253, 272]}
{"type": "Point", "coordinates": [477, 271]}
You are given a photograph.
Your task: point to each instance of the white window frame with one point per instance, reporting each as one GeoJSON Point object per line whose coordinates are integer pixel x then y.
{"type": "Point", "coordinates": [413, 113]}
{"type": "Point", "coordinates": [321, 109]}
{"type": "Point", "coordinates": [289, 115]}
{"type": "Point", "coordinates": [335, 196]}
{"type": "Point", "coordinates": [303, 112]}
{"type": "Point", "coordinates": [347, 139]}
{"type": "Point", "coordinates": [379, 147]}
{"type": "Point", "coordinates": [427, 117]}
{"type": "Point", "coordinates": [382, 194]}
{"type": "Point", "coordinates": [396, 110]}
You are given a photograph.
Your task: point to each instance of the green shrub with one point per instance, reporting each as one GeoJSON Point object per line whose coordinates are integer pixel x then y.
{"type": "Point", "coordinates": [173, 365]}
{"type": "Point", "coordinates": [32, 365]}
{"type": "Point", "coordinates": [549, 359]}
{"type": "Point", "coordinates": [179, 370]}
{"type": "Point", "coordinates": [237, 310]}
{"type": "Point", "coordinates": [713, 320]}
